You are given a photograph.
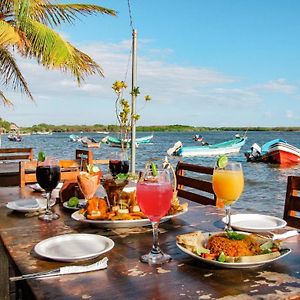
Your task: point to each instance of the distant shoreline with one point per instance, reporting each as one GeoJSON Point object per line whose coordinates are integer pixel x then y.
{"type": "Point", "coordinates": [153, 128]}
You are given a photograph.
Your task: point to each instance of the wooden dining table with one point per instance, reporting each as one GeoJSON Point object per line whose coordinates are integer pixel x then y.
{"type": "Point", "coordinates": [126, 277]}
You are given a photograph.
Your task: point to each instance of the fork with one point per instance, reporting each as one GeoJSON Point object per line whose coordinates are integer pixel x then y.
{"type": "Point", "coordinates": [279, 236]}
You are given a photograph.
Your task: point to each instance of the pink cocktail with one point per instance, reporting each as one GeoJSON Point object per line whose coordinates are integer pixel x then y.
{"type": "Point", "coordinates": [154, 199]}
{"type": "Point", "coordinates": [154, 194]}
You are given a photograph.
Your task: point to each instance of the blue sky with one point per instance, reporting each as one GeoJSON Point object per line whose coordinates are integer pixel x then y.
{"type": "Point", "coordinates": [205, 63]}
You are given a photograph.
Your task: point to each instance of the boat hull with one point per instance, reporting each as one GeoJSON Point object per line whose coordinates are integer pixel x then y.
{"type": "Point", "coordinates": [232, 146]}
{"type": "Point", "coordinates": [281, 153]}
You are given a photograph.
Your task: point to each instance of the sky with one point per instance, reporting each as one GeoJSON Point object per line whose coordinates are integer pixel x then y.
{"type": "Point", "coordinates": [208, 63]}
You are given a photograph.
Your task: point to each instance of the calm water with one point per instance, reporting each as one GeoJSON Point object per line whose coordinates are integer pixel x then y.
{"type": "Point", "coordinates": [265, 184]}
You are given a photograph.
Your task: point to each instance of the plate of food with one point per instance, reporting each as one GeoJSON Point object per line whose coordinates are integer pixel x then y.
{"type": "Point", "coordinates": [255, 222]}
{"type": "Point", "coordinates": [130, 220]}
{"type": "Point", "coordinates": [233, 249]}
{"type": "Point", "coordinates": [74, 246]}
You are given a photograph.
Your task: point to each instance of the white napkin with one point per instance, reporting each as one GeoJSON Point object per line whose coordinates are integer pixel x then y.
{"type": "Point", "coordinates": [99, 265]}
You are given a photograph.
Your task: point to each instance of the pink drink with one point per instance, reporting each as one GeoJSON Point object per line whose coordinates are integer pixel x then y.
{"type": "Point", "coordinates": [154, 199]}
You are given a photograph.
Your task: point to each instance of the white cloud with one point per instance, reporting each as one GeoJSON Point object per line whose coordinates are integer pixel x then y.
{"type": "Point", "coordinates": [181, 94]}
{"type": "Point", "coordinates": [278, 86]}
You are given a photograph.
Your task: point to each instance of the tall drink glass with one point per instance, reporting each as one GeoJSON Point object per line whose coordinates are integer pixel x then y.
{"type": "Point", "coordinates": [228, 185]}
{"type": "Point", "coordinates": [118, 163]}
{"type": "Point", "coordinates": [48, 177]}
{"type": "Point", "coordinates": [154, 194]}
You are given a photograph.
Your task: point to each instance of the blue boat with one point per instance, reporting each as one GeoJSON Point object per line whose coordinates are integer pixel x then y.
{"type": "Point", "coordinates": [231, 146]}
{"type": "Point", "coordinates": [116, 142]}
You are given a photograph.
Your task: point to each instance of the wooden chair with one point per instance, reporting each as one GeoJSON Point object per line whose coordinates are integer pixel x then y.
{"type": "Point", "coordinates": [292, 202]}
{"type": "Point", "coordinates": [11, 154]}
{"type": "Point", "coordinates": [196, 185]}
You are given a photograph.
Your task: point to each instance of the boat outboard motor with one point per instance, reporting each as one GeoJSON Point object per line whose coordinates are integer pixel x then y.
{"type": "Point", "coordinates": [255, 150]}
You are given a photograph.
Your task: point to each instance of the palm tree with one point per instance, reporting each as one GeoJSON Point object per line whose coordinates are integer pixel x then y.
{"type": "Point", "coordinates": [26, 26]}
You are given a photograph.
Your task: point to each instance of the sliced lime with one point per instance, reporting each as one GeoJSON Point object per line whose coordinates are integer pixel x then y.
{"type": "Point", "coordinates": [222, 161]}
{"type": "Point", "coordinates": [73, 202]}
{"type": "Point", "coordinates": [153, 169]}
{"type": "Point", "coordinates": [41, 156]}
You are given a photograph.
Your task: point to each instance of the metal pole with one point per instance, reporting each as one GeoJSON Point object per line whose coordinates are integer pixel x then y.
{"type": "Point", "coordinates": [133, 100]}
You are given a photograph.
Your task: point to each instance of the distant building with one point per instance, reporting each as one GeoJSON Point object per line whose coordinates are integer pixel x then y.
{"type": "Point", "coordinates": [14, 127]}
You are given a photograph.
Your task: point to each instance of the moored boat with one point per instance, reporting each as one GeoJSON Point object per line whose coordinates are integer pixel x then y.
{"type": "Point", "coordinates": [276, 151]}
{"type": "Point", "coordinates": [90, 142]}
{"type": "Point", "coordinates": [116, 142]}
{"type": "Point", "coordinates": [14, 138]}
{"type": "Point", "coordinates": [283, 153]}
{"type": "Point", "coordinates": [231, 146]}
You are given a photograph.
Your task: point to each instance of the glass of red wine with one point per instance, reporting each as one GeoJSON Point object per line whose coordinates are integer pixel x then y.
{"type": "Point", "coordinates": [118, 163]}
{"type": "Point", "coordinates": [48, 177]}
{"type": "Point", "coordinates": [154, 194]}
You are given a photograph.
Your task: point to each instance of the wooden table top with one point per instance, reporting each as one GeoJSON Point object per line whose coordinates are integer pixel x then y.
{"type": "Point", "coordinates": [126, 277]}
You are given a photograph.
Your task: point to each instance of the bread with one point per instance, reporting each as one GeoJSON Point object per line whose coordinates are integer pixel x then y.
{"type": "Point", "coordinates": [192, 240]}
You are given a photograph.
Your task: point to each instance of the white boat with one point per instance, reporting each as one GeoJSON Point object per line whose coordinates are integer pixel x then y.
{"type": "Point", "coordinates": [231, 146]}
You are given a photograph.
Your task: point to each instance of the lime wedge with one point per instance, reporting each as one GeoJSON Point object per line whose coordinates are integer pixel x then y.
{"type": "Point", "coordinates": [41, 156]}
{"type": "Point", "coordinates": [154, 169]}
{"type": "Point", "coordinates": [222, 161]}
{"type": "Point", "coordinates": [73, 202]}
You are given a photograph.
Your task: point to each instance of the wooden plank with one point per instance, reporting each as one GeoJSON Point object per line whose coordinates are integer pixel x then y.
{"type": "Point", "coordinates": [15, 157]}
{"type": "Point", "coordinates": [195, 183]}
{"type": "Point", "coordinates": [201, 199]}
{"type": "Point", "coordinates": [4, 274]}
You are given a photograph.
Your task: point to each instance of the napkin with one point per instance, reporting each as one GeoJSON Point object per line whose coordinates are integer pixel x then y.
{"type": "Point", "coordinates": [99, 265]}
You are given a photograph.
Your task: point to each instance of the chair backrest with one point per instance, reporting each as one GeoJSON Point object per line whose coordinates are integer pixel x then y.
{"type": "Point", "coordinates": [194, 182]}
{"type": "Point", "coordinates": [69, 169]}
{"type": "Point", "coordinates": [292, 202]}
{"type": "Point", "coordinates": [84, 156]}
{"type": "Point", "coordinates": [10, 154]}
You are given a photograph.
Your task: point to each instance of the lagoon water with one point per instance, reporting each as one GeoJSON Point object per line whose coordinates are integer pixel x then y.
{"type": "Point", "coordinates": [265, 184]}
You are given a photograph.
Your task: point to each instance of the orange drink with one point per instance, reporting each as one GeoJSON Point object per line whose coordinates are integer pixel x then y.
{"type": "Point", "coordinates": [228, 185]}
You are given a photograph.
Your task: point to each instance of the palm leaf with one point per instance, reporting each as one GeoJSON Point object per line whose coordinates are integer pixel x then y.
{"type": "Point", "coordinates": [4, 99]}
{"type": "Point", "coordinates": [54, 15]}
{"type": "Point", "coordinates": [51, 50]}
{"type": "Point", "coordinates": [10, 72]}
{"type": "Point", "coordinates": [8, 35]}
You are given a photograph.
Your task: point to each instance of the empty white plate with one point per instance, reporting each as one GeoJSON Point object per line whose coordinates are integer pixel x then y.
{"type": "Point", "coordinates": [74, 246]}
{"type": "Point", "coordinates": [255, 222]}
{"type": "Point", "coordinates": [27, 205]}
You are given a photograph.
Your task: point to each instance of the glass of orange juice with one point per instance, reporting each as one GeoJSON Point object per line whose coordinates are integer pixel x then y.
{"type": "Point", "coordinates": [228, 185]}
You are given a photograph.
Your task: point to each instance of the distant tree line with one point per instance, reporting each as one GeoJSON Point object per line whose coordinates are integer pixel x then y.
{"type": "Point", "coordinates": [115, 128]}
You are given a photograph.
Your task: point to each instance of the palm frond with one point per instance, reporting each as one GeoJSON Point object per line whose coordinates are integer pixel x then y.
{"type": "Point", "coordinates": [10, 72]}
{"type": "Point", "coordinates": [4, 99]}
{"type": "Point", "coordinates": [52, 51]}
{"type": "Point", "coordinates": [8, 34]}
{"type": "Point", "coordinates": [67, 13]}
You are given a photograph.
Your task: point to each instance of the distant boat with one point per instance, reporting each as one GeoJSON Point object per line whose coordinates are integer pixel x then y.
{"type": "Point", "coordinates": [43, 132]}
{"type": "Point", "coordinates": [75, 138]}
{"type": "Point", "coordinates": [198, 138]}
{"type": "Point", "coordinates": [231, 146]}
{"type": "Point", "coordinates": [90, 142]}
{"type": "Point", "coordinates": [14, 138]}
{"type": "Point", "coordinates": [116, 142]}
{"type": "Point", "coordinates": [276, 151]}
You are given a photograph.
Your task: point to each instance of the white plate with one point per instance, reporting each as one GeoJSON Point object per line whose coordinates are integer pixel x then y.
{"type": "Point", "coordinates": [27, 205]}
{"type": "Point", "coordinates": [255, 222]}
{"type": "Point", "coordinates": [73, 247]}
{"type": "Point", "coordinates": [236, 265]}
{"type": "Point", "coordinates": [120, 223]}
{"type": "Point", "coordinates": [81, 202]}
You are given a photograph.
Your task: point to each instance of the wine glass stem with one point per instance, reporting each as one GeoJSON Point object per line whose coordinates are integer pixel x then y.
{"type": "Point", "coordinates": [155, 247]}
{"type": "Point", "coordinates": [228, 217]}
{"type": "Point", "coordinates": [48, 211]}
